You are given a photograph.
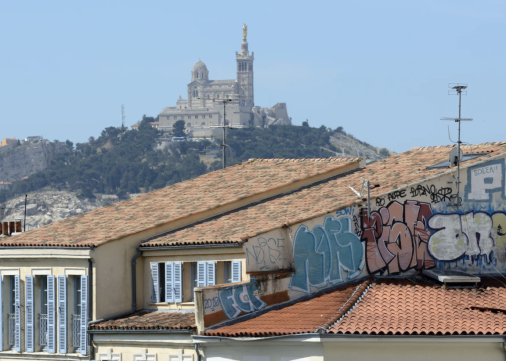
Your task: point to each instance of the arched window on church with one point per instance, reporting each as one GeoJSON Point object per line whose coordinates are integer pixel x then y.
{"type": "Point", "coordinates": [196, 93]}
{"type": "Point", "coordinates": [197, 75]}
{"type": "Point", "coordinates": [188, 124]}
{"type": "Point", "coordinates": [203, 124]}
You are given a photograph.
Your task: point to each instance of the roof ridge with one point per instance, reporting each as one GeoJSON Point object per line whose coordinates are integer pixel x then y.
{"type": "Point", "coordinates": [462, 145]}
{"type": "Point", "coordinates": [348, 306]}
{"type": "Point", "coordinates": [289, 160]}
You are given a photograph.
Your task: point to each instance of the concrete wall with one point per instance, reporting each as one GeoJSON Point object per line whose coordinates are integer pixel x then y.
{"type": "Point", "coordinates": [410, 229]}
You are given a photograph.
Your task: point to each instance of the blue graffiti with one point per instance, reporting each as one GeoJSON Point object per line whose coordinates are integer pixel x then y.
{"type": "Point", "coordinates": [321, 255]}
{"type": "Point", "coordinates": [242, 298]}
{"type": "Point", "coordinates": [267, 253]}
{"type": "Point", "coordinates": [348, 211]}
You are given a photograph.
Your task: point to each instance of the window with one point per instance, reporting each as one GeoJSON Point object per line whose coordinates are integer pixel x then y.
{"type": "Point", "coordinates": [232, 272]}
{"type": "Point", "coordinates": [188, 124]}
{"type": "Point", "coordinates": [166, 282]}
{"type": "Point", "coordinates": [203, 124]}
{"type": "Point", "coordinates": [196, 117]}
{"type": "Point", "coordinates": [210, 115]}
{"type": "Point", "coordinates": [189, 116]}
{"type": "Point", "coordinates": [202, 274]}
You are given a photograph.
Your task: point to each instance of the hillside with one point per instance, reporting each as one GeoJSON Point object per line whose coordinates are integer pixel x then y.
{"type": "Point", "coordinates": [28, 159]}
{"type": "Point", "coordinates": [122, 162]}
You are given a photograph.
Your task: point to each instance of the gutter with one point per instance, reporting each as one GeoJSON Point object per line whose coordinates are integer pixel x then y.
{"type": "Point", "coordinates": [190, 246]}
{"type": "Point", "coordinates": [316, 337]}
{"type": "Point", "coordinates": [133, 331]}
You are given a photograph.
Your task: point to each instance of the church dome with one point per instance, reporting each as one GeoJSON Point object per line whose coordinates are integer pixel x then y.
{"type": "Point", "coordinates": [200, 72]}
{"type": "Point", "coordinates": [199, 66]}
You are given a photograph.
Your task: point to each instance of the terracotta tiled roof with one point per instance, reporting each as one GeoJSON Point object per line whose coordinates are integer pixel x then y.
{"type": "Point", "coordinates": [204, 193]}
{"type": "Point", "coordinates": [401, 307]}
{"type": "Point", "coordinates": [149, 320]}
{"type": "Point", "coordinates": [386, 307]}
{"type": "Point", "coordinates": [320, 199]}
{"type": "Point", "coordinates": [302, 317]}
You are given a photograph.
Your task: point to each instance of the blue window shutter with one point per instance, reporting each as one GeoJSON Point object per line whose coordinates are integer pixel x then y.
{"type": "Point", "coordinates": [211, 272]}
{"type": "Point", "coordinates": [201, 274]}
{"type": "Point", "coordinates": [236, 271]}
{"type": "Point", "coordinates": [169, 282]}
{"type": "Point", "coordinates": [17, 315]}
{"type": "Point", "coordinates": [178, 282]}
{"type": "Point", "coordinates": [83, 347]}
{"type": "Point", "coordinates": [51, 324]}
{"type": "Point", "coordinates": [62, 314]}
{"type": "Point", "coordinates": [29, 317]}
{"type": "Point", "coordinates": [155, 290]}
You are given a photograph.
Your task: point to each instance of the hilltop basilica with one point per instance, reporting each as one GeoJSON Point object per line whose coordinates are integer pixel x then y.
{"type": "Point", "coordinates": [203, 109]}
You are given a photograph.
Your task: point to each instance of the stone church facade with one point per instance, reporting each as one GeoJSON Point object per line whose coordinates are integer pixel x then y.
{"type": "Point", "coordinates": [203, 110]}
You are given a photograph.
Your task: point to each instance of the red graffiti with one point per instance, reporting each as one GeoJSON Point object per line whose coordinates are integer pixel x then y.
{"type": "Point", "coordinates": [396, 237]}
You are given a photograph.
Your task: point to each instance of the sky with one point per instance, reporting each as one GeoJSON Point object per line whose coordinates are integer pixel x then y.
{"type": "Point", "coordinates": [380, 69]}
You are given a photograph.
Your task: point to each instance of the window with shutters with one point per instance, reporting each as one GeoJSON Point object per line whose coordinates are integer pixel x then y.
{"type": "Point", "coordinates": [42, 316]}
{"type": "Point", "coordinates": [166, 282]}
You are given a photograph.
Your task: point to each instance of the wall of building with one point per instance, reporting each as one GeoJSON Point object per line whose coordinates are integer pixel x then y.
{"type": "Point", "coordinates": [410, 229]}
{"type": "Point", "coordinates": [414, 351]}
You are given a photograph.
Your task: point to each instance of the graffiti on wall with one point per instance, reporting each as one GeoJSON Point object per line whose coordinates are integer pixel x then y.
{"type": "Point", "coordinates": [472, 234]}
{"type": "Point", "coordinates": [396, 237]}
{"type": "Point", "coordinates": [323, 255]}
{"type": "Point", "coordinates": [242, 298]}
{"type": "Point", "coordinates": [265, 253]}
{"type": "Point", "coordinates": [485, 179]}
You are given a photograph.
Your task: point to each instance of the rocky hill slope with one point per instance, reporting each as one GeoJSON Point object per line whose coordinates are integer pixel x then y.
{"type": "Point", "coordinates": [46, 207]}
{"type": "Point", "coordinates": [28, 159]}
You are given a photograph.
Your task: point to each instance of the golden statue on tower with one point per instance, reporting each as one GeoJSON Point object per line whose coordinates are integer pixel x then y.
{"type": "Point", "coordinates": [244, 32]}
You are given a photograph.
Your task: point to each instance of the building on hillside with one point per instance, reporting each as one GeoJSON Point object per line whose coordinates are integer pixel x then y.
{"type": "Point", "coordinates": [124, 288]}
{"type": "Point", "coordinates": [33, 139]}
{"type": "Point", "coordinates": [201, 113]}
{"type": "Point", "coordinates": [5, 185]}
{"type": "Point", "coordinates": [9, 142]}
{"type": "Point", "coordinates": [273, 260]}
{"type": "Point", "coordinates": [155, 125]}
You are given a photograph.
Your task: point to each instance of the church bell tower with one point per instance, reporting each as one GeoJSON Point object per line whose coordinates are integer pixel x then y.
{"type": "Point", "coordinates": [245, 73]}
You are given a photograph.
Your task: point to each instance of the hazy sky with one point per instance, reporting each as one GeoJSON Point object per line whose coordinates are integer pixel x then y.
{"type": "Point", "coordinates": [378, 68]}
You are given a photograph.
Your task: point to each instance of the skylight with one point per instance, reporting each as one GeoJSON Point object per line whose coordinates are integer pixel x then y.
{"type": "Point", "coordinates": [446, 163]}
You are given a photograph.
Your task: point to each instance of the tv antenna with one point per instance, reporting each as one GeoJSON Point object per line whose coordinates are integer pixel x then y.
{"type": "Point", "coordinates": [122, 116]}
{"type": "Point", "coordinates": [225, 126]}
{"type": "Point", "coordinates": [456, 155]}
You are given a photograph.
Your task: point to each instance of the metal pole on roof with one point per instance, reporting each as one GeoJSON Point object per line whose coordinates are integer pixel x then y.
{"type": "Point", "coordinates": [24, 223]}
{"type": "Point", "coordinates": [224, 126]}
{"type": "Point", "coordinates": [458, 88]}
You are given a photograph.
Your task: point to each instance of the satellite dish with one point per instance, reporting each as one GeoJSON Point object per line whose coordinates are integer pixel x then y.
{"type": "Point", "coordinates": [455, 157]}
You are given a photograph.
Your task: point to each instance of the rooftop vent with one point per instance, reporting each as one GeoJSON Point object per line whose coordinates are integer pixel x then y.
{"type": "Point", "coordinates": [452, 278]}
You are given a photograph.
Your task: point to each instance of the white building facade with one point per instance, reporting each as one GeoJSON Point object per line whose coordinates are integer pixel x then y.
{"type": "Point", "coordinates": [203, 109]}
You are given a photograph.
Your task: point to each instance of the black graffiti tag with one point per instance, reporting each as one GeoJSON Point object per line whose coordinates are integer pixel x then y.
{"type": "Point", "coordinates": [436, 195]}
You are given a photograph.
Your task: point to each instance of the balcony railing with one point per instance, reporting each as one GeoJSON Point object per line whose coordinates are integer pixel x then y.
{"type": "Point", "coordinates": [76, 331]}
{"type": "Point", "coordinates": [11, 331]}
{"type": "Point", "coordinates": [43, 330]}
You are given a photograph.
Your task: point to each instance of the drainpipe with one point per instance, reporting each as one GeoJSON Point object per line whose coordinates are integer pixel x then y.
{"type": "Point", "coordinates": [134, 298]}
{"type": "Point", "coordinates": [90, 305]}
{"type": "Point", "coordinates": [197, 351]}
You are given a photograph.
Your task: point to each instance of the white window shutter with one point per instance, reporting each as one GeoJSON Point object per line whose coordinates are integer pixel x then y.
{"type": "Point", "coordinates": [169, 282]}
{"type": "Point", "coordinates": [236, 271]}
{"type": "Point", "coordinates": [155, 291]}
{"type": "Point", "coordinates": [201, 274]}
{"type": "Point", "coordinates": [29, 317]}
{"type": "Point", "coordinates": [178, 282]}
{"type": "Point", "coordinates": [17, 315]}
{"type": "Point", "coordinates": [62, 313]}
{"type": "Point", "coordinates": [211, 273]}
{"type": "Point", "coordinates": [83, 336]}
{"type": "Point", "coordinates": [51, 324]}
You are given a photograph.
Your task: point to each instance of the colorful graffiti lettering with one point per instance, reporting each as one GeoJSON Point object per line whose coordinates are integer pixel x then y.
{"type": "Point", "coordinates": [483, 180]}
{"type": "Point", "coordinates": [266, 253]}
{"type": "Point", "coordinates": [242, 298]}
{"type": "Point", "coordinates": [471, 234]}
{"type": "Point", "coordinates": [321, 255]}
{"type": "Point", "coordinates": [396, 237]}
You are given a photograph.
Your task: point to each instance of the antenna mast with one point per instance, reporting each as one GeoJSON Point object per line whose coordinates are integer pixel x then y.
{"type": "Point", "coordinates": [122, 116]}
{"type": "Point", "coordinates": [458, 88]}
{"type": "Point", "coordinates": [224, 126]}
